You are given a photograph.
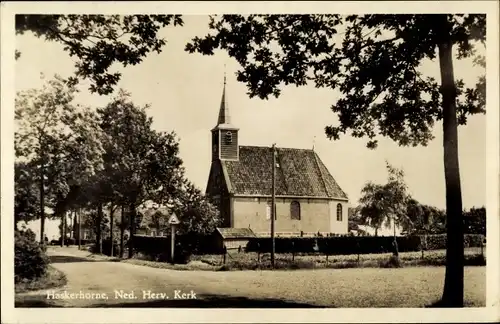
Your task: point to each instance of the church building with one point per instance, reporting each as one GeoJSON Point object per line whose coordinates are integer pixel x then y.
{"type": "Point", "coordinates": [308, 199]}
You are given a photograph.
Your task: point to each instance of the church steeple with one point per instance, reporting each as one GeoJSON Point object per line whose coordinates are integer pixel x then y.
{"type": "Point", "coordinates": [224, 134]}
{"type": "Point", "coordinates": [224, 116]}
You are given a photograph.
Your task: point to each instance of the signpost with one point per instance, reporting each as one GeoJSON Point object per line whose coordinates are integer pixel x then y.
{"type": "Point", "coordinates": [173, 220]}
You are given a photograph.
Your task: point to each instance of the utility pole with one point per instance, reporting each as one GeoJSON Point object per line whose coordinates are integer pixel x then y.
{"type": "Point", "coordinates": [273, 204]}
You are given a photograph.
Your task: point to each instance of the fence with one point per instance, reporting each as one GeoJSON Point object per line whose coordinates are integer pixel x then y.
{"type": "Point", "coordinates": [324, 250]}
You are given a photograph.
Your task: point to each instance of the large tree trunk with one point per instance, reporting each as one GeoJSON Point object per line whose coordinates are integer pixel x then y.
{"type": "Point", "coordinates": [122, 232]}
{"type": "Point", "coordinates": [453, 292]}
{"type": "Point", "coordinates": [111, 221]}
{"type": "Point", "coordinates": [99, 228]}
{"type": "Point", "coordinates": [132, 231]}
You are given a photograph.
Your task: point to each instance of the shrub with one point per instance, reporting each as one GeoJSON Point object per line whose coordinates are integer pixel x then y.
{"type": "Point", "coordinates": [157, 248]}
{"type": "Point", "coordinates": [106, 247]}
{"type": "Point", "coordinates": [438, 241]}
{"type": "Point", "coordinates": [473, 240]}
{"type": "Point", "coordinates": [30, 260]}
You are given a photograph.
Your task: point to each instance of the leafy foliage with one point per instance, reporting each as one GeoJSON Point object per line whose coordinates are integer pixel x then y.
{"type": "Point", "coordinates": [373, 60]}
{"type": "Point", "coordinates": [58, 140]}
{"type": "Point", "coordinates": [99, 41]}
{"type": "Point", "coordinates": [30, 261]}
{"type": "Point", "coordinates": [196, 213]}
{"type": "Point", "coordinates": [424, 219]}
{"type": "Point", "coordinates": [26, 197]}
{"type": "Point", "coordinates": [143, 164]}
{"type": "Point", "coordinates": [475, 220]}
{"type": "Point", "coordinates": [383, 205]}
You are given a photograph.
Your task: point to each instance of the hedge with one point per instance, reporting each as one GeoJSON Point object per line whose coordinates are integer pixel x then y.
{"type": "Point", "coordinates": [338, 245]}
{"type": "Point", "coordinates": [158, 247]}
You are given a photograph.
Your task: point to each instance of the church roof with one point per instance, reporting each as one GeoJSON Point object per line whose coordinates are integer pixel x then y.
{"type": "Point", "coordinates": [224, 117]}
{"type": "Point", "coordinates": [230, 232]}
{"type": "Point", "coordinates": [301, 173]}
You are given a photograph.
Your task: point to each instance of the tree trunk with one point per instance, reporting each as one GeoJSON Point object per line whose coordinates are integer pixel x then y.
{"type": "Point", "coordinates": [79, 228]}
{"type": "Point", "coordinates": [395, 252]}
{"type": "Point", "coordinates": [376, 231]}
{"type": "Point", "coordinates": [132, 231]}
{"type": "Point", "coordinates": [111, 220]}
{"type": "Point", "coordinates": [42, 203]}
{"type": "Point", "coordinates": [63, 228]}
{"type": "Point", "coordinates": [99, 229]}
{"type": "Point", "coordinates": [453, 292]}
{"type": "Point", "coordinates": [122, 232]}
{"type": "Point", "coordinates": [73, 228]}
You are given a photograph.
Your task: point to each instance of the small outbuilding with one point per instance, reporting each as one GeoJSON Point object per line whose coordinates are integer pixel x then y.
{"type": "Point", "coordinates": [235, 238]}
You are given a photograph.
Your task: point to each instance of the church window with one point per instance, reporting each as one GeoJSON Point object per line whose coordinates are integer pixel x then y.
{"type": "Point", "coordinates": [229, 137]}
{"type": "Point", "coordinates": [295, 210]}
{"type": "Point", "coordinates": [268, 211]}
{"type": "Point", "coordinates": [339, 212]}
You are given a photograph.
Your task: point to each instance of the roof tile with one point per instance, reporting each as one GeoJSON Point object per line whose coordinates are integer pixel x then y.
{"type": "Point", "coordinates": [300, 173]}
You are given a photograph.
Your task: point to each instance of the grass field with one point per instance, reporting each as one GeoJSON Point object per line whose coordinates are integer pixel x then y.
{"type": "Point", "coordinates": [252, 260]}
{"type": "Point", "coordinates": [53, 278]}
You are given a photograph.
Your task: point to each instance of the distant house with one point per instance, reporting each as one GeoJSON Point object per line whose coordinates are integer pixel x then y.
{"type": "Point", "coordinates": [308, 199]}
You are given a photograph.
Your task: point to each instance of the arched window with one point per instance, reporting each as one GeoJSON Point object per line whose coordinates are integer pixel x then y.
{"type": "Point", "coordinates": [339, 212]}
{"type": "Point", "coordinates": [295, 210]}
{"type": "Point", "coordinates": [229, 137]}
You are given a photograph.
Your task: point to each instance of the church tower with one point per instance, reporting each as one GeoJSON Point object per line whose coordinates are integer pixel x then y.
{"type": "Point", "coordinates": [224, 134]}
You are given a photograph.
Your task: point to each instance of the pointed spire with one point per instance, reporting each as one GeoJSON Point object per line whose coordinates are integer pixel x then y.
{"type": "Point", "coordinates": [224, 117]}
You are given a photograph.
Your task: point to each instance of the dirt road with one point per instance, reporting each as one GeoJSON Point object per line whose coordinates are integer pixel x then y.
{"type": "Point", "coordinates": [98, 283]}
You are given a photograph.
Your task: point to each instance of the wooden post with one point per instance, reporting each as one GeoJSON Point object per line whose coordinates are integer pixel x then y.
{"type": "Point", "coordinates": [172, 242]}
{"type": "Point", "coordinates": [273, 204]}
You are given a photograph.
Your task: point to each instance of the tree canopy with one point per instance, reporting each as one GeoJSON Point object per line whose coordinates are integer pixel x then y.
{"type": "Point", "coordinates": [100, 41]}
{"type": "Point", "coordinates": [385, 204]}
{"type": "Point", "coordinates": [96, 160]}
{"type": "Point", "coordinates": [373, 60]}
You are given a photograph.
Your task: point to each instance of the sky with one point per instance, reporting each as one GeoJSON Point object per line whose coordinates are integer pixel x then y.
{"type": "Point", "coordinates": [184, 91]}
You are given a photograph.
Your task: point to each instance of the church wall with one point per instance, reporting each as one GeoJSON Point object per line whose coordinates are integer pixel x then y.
{"type": "Point", "coordinates": [339, 227]}
{"type": "Point", "coordinates": [215, 146]}
{"type": "Point", "coordinates": [217, 192]}
{"type": "Point", "coordinates": [315, 216]}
